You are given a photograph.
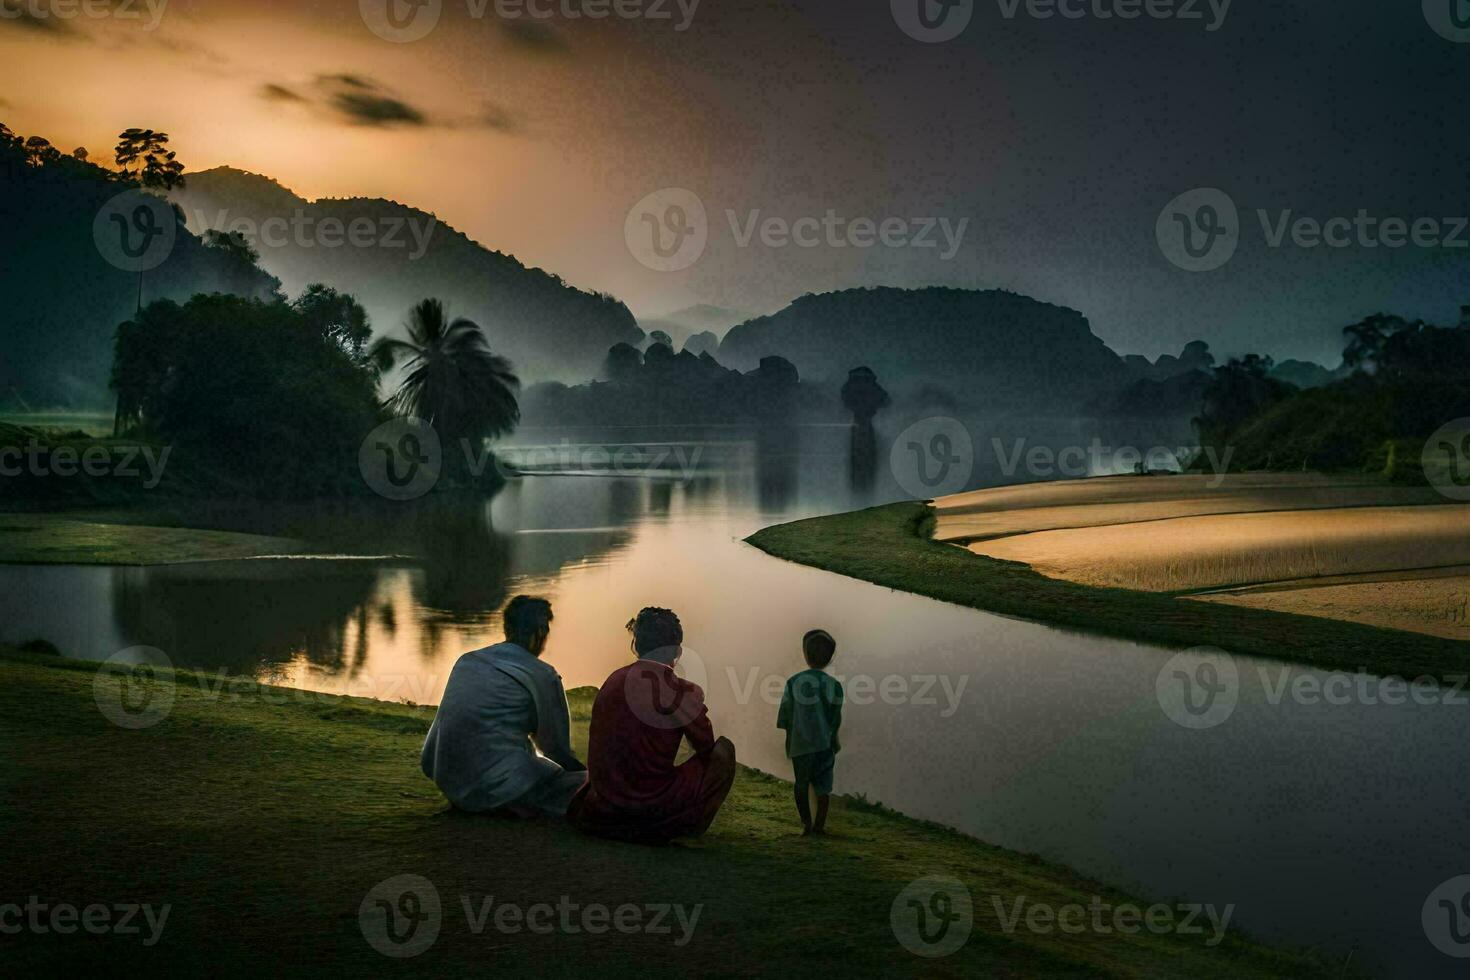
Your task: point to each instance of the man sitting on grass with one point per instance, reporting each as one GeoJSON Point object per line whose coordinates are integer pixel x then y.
{"type": "Point", "coordinates": [642, 714]}
{"type": "Point", "coordinates": [504, 703]}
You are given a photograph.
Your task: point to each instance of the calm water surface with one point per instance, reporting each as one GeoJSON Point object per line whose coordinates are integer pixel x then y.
{"type": "Point", "coordinates": [1324, 825]}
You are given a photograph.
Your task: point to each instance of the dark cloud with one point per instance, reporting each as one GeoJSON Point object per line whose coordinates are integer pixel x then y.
{"type": "Point", "coordinates": [354, 99]}
{"type": "Point", "coordinates": [361, 101]}
{"type": "Point", "coordinates": [350, 81]}
{"type": "Point", "coordinates": [272, 92]}
{"type": "Point", "coordinates": [367, 109]}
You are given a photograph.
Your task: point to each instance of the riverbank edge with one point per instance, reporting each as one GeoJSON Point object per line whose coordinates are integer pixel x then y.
{"type": "Point", "coordinates": [276, 742]}
{"type": "Point", "coordinates": [893, 546]}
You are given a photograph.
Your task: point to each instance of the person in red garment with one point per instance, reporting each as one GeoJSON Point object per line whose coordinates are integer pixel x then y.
{"type": "Point", "coordinates": [643, 712]}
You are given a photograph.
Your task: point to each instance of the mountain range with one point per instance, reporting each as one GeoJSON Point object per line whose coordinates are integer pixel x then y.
{"type": "Point", "coordinates": [390, 256]}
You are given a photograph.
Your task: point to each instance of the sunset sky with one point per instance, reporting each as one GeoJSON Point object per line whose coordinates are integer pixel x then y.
{"type": "Point", "coordinates": [1060, 140]}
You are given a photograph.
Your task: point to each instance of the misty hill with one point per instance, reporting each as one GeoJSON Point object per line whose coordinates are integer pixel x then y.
{"type": "Point", "coordinates": [399, 255]}
{"type": "Point", "coordinates": [699, 320]}
{"type": "Point", "coordinates": [990, 349]}
{"type": "Point", "coordinates": [63, 299]}
{"type": "Point", "coordinates": [1196, 356]}
{"type": "Point", "coordinates": [1305, 374]}
{"type": "Point", "coordinates": [1400, 381]}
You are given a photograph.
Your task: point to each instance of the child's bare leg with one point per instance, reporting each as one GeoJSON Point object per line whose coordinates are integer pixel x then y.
{"type": "Point", "coordinates": [803, 805]}
{"type": "Point", "coordinates": [821, 823]}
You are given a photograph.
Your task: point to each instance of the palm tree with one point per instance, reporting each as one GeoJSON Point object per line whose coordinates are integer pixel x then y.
{"type": "Point", "coordinates": [454, 382]}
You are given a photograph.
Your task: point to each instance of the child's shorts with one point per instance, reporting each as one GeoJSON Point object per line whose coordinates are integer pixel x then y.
{"type": "Point", "coordinates": [816, 768]}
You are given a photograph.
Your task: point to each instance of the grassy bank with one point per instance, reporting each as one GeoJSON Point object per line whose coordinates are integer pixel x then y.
{"type": "Point", "coordinates": [45, 539]}
{"type": "Point", "coordinates": [892, 546]}
{"type": "Point", "coordinates": [263, 817]}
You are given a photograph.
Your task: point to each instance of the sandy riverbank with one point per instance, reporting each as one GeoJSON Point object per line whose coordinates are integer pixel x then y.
{"type": "Point", "coordinates": [1291, 532]}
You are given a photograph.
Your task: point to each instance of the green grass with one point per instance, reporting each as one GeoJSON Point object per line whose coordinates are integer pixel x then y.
{"type": "Point", "coordinates": [35, 539]}
{"type": "Point", "coordinates": [92, 423]}
{"type": "Point", "coordinates": [263, 817]}
{"type": "Point", "coordinates": [892, 546]}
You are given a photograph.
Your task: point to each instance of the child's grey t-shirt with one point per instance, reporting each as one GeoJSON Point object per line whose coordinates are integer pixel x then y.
{"type": "Point", "coordinates": [811, 713]}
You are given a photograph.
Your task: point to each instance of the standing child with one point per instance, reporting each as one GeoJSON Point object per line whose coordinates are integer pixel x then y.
{"type": "Point", "coordinates": [811, 714]}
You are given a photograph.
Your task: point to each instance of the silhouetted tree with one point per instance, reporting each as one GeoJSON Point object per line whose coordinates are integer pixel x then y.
{"type": "Point", "coordinates": [241, 387]}
{"type": "Point", "coordinates": [1366, 340]}
{"type": "Point", "coordinates": [338, 318]}
{"type": "Point", "coordinates": [658, 355]}
{"type": "Point", "coordinates": [1238, 391]}
{"type": "Point", "coordinates": [144, 156]}
{"type": "Point", "coordinates": [622, 364]}
{"type": "Point", "coordinates": [40, 152]}
{"type": "Point", "coordinates": [455, 381]}
{"type": "Point", "coordinates": [863, 396]}
{"type": "Point", "coordinates": [776, 381]}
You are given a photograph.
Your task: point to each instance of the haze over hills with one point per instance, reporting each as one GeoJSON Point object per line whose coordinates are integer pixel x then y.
{"type": "Point", "coordinates": [390, 256]}
{"type": "Point", "coordinates": [64, 301]}
{"type": "Point", "coordinates": [702, 320]}
{"type": "Point", "coordinates": [989, 349]}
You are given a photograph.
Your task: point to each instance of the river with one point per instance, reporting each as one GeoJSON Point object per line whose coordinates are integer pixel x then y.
{"type": "Point", "coordinates": [1323, 824]}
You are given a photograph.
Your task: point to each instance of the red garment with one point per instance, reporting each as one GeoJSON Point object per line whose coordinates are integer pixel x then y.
{"type": "Point", "coordinates": [634, 790]}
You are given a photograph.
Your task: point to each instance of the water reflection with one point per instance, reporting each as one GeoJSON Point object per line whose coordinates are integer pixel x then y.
{"type": "Point", "coordinates": [864, 457]}
{"type": "Point", "coordinates": [777, 455]}
{"type": "Point", "coordinates": [1322, 825]}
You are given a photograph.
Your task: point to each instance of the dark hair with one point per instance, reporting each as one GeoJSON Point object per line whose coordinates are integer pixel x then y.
{"type": "Point", "coordinates": [524, 617]}
{"type": "Point", "coordinates": [655, 628]}
{"type": "Point", "coordinates": [818, 647]}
